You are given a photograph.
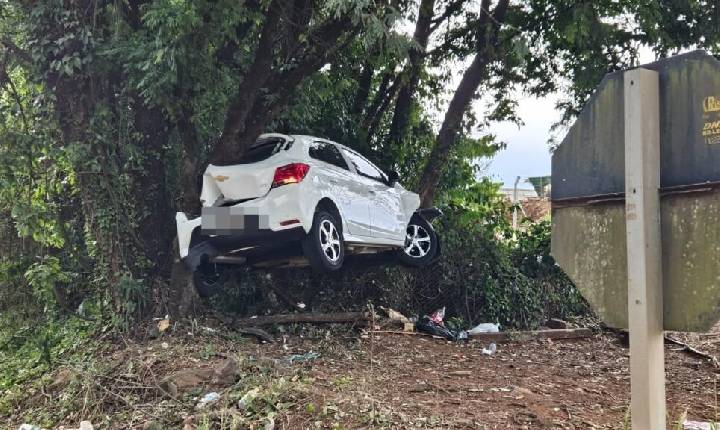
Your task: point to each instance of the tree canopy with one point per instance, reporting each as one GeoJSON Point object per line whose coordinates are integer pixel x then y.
{"type": "Point", "coordinates": [109, 111]}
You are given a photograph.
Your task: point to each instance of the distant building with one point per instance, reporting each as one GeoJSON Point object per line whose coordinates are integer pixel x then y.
{"type": "Point", "coordinates": [522, 194]}
{"type": "Point", "coordinates": [534, 202]}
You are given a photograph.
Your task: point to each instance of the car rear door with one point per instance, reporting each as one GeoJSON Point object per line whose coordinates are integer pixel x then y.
{"type": "Point", "coordinates": [341, 185]}
{"type": "Point", "coordinates": [383, 200]}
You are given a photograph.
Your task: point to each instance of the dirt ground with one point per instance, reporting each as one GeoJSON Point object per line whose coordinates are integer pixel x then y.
{"type": "Point", "coordinates": [580, 384]}
{"type": "Point", "coordinates": [364, 381]}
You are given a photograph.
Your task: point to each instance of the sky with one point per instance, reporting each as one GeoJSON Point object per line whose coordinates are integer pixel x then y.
{"type": "Point", "coordinates": [527, 153]}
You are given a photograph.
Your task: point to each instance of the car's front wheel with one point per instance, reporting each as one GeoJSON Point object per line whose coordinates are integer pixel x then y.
{"type": "Point", "coordinates": [324, 246]}
{"type": "Point", "coordinates": [421, 243]}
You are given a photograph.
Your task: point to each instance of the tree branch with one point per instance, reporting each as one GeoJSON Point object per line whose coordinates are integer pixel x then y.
{"type": "Point", "coordinates": [20, 54]}
{"type": "Point", "coordinates": [450, 10]}
{"type": "Point", "coordinates": [249, 89]}
{"type": "Point", "coordinates": [488, 29]}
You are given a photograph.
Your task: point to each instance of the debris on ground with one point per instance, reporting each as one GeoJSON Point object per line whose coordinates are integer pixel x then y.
{"type": "Point", "coordinates": [406, 379]}
{"type": "Point", "coordinates": [164, 324]}
{"type": "Point", "coordinates": [29, 427]}
{"type": "Point", "coordinates": [433, 324]}
{"type": "Point", "coordinates": [208, 399]}
{"type": "Point", "coordinates": [300, 358]}
{"type": "Point", "coordinates": [484, 328]}
{"type": "Point", "coordinates": [247, 398]}
{"type": "Point", "coordinates": [314, 318]}
{"type": "Point", "coordinates": [490, 350]}
{"type": "Point", "coordinates": [698, 425]}
{"type": "Point", "coordinates": [557, 323]}
{"type": "Point", "coordinates": [526, 336]}
{"type": "Point", "coordinates": [395, 315]}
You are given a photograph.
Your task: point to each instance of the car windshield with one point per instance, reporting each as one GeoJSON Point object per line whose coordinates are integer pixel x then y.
{"type": "Point", "coordinates": [263, 149]}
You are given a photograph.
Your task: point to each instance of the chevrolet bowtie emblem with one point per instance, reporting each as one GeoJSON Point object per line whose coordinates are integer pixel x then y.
{"type": "Point", "coordinates": [221, 178]}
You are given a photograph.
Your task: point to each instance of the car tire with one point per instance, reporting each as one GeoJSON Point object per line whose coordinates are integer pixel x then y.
{"type": "Point", "coordinates": [209, 278]}
{"type": "Point", "coordinates": [324, 246]}
{"type": "Point", "coordinates": [421, 243]}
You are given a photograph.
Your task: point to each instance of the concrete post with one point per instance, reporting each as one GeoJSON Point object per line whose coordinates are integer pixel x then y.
{"type": "Point", "coordinates": [642, 211]}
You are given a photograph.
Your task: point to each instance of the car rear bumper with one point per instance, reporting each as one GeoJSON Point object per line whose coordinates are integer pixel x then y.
{"type": "Point", "coordinates": [280, 216]}
{"type": "Point", "coordinates": [205, 246]}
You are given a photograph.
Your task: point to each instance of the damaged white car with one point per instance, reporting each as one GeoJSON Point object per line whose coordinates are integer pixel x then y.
{"type": "Point", "coordinates": [298, 200]}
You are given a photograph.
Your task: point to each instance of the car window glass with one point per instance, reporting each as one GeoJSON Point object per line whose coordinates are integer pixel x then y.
{"type": "Point", "coordinates": [364, 167]}
{"type": "Point", "coordinates": [263, 149]}
{"type": "Point", "coordinates": [329, 153]}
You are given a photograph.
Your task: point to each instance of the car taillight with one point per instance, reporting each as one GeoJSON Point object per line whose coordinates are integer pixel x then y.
{"type": "Point", "coordinates": [290, 174]}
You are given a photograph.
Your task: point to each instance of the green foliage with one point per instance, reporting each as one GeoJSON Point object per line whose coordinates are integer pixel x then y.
{"type": "Point", "coordinates": [28, 350]}
{"type": "Point", "coordinates": [44, 276]}
{"type": "Point", "coordinates": [109, 110]}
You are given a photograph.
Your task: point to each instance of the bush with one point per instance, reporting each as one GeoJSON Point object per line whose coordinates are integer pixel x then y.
{"type": "Point", "coordinates": [483, 275]}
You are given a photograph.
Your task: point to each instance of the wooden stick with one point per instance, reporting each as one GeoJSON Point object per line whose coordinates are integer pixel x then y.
{"type": "Point", "coordinates": [338, 317]}
{"type": "Point", "coordinates": [285, 296]}
{"type": "Point", "coordinates": [257, 332]}
{"type": "Point", "coordinates": [523, 336]}
{"type": "Point", "coordinates": [511, 336]}
{"type": "Point", "coordinates": [694, 351]}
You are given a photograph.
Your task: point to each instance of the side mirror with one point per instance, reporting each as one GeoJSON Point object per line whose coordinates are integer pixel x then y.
{"type": "Point", "coordinates": [393, 177]}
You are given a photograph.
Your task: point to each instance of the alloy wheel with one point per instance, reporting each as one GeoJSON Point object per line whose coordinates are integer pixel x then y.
{"type": "Point", "coordinates": [330, 240]}
{"type": "Point", "coordinates": [417, 241]}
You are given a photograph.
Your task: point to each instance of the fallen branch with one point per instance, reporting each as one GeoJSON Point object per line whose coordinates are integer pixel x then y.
{"type": "Point", "coordinates": [522, 336]}
{"type": "Point", "coordinates": [258, 333]}
{"type": "Point", "coordinates": [232, 324]}
{"type": "Point", "coordinates": [510, 336]}
{"type": "Point", "coordinates": [286, 297]}
{"type": "Point", "coordinates": [694, 351]}
{"type": "Point", "coordinates": [339, 317]}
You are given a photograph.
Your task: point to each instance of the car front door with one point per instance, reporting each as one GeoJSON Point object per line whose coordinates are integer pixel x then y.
{"type": "Point", "coordinates": [342, 186]}
{"type": "Point", "coordinates": [383, 200]}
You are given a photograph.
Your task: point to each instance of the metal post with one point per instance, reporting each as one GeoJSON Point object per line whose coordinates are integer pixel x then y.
{"type": "Point", "coordinates": [642, 211]}
{"type": "Point", "coordinates": [515, 202]}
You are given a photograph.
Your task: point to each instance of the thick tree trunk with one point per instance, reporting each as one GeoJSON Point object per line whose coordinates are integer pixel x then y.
{"type": "Point", "coordinates": [403, 105]}
{"type": "Point", "coordinates": [248, 94]}
{"type": "Point", "coordinates": [155, 226]}
{"type": "Point", "coordinates": [488, 30]}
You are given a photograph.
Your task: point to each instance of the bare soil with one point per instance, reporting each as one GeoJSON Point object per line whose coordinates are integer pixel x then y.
{"type": "Point", "coordinates": [579, 384]}
{"type": "Point", "coordinates": [369, 381]}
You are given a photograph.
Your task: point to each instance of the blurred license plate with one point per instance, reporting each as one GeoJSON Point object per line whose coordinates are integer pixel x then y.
{"type": "Point", "coordinates": [231, 220]}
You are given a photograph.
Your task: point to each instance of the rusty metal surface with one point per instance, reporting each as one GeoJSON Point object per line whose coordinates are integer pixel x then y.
{"type": "Point", "coordinates": [588, 215]}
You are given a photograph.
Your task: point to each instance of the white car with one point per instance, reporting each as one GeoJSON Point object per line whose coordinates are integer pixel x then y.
{"type": "Point", "coordinates": [294, 200]}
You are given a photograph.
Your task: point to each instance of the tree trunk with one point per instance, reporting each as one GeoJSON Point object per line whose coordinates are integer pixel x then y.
{"type": "Point", "coordinates": [248, 94]}
{"type": "Point", "coordinates": [363, 90]}
{"type": "Point", "coordinates": [403, 105]}
{"type": "Point", "coordinates": [488, 31]}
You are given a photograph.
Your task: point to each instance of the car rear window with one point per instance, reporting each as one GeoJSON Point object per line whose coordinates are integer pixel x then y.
{"type": "Point", "coordinates": [327, 152]}
{"type": "Point", "coordinates": [263, 149]}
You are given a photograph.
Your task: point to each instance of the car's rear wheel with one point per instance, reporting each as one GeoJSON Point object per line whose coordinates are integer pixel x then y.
{"type": "Point", "coordinates": [421, 243]}
{"type": "Point", "coordinates": [209, 278]}
{"type": "Point", "coordinates": [324, 246]}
